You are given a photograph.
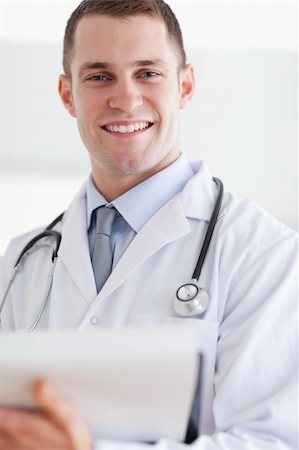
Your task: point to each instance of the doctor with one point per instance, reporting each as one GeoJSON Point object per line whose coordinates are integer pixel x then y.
{"type": "Point", "coordinates": [125, 80]}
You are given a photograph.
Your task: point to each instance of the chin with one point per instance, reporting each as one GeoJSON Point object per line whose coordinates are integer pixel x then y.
{"type": "Point", "coordinates": [129, 162]}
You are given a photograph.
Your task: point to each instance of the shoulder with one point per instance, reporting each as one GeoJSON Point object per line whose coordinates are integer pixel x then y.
{"type": "Point", "coordinates": [17, 244]}
{"type": "Point", "coordinates": [241, 219]}
{"type": "Point", "coordinates": [244, 220]}
{"type": "Point", "coordinates": [255, 246]}
{"type": "Point", "coordinates": [14, 249]}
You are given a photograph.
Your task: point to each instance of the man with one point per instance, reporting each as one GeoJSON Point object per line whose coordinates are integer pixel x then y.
{"type": "Point", "coordinates": [125, 80]}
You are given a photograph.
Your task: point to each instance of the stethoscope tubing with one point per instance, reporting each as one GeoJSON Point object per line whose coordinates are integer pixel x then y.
{"type": "Point", "coordinates": [7, 291]}
{"type": "Point", "coordinates": [209, 233]}
{"type": "Point", "coordinates": [48, 232]}
{"type": "Point", "coordinates": [45, 300]}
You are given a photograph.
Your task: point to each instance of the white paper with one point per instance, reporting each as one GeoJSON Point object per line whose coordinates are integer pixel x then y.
{"type": "Point", "coordinates": [129, 384]}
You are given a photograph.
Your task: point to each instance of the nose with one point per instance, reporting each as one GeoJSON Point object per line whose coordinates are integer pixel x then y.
{"type": "Point", "coordinates": [126, 96]}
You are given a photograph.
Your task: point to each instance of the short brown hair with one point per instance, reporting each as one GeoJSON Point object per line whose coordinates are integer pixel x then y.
{"type": "Point", "coordinates": [157, 9]}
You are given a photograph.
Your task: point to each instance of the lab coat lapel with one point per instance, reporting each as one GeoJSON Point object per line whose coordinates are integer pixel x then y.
{"type": "Point", "coordinates": [170, 223]}
{"type": "Point", "coordinates": [167, 225]}
{"type": "Point", "coordinates": [74, 249]}
{"type": "Point", "coordinates": [199, 195]}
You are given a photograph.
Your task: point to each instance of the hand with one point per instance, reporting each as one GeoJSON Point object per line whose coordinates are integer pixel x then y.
{"type": "Point", "coordinates": [56, 425]}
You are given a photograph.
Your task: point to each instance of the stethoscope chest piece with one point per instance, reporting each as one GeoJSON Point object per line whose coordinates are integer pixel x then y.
{"type": "Point", "coordinates": [190, 300]}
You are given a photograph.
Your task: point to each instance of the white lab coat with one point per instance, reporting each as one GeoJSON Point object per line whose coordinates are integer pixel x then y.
{"type": "Point", "coordinates": [247, 336]}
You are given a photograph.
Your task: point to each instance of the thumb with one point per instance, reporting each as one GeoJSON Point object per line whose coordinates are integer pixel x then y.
{"type": "Point", "coordinates": [48, 400]}
{"type": "Point", "coordinates": [63, 414]}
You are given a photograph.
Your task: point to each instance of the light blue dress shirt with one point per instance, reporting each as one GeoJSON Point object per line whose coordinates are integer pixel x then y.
{"type": "Point", "coordinates": [137, 205]}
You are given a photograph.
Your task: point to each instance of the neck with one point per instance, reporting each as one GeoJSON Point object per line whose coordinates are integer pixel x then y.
{"type": "Point", "coordinates": [112, 186]}
{"type": "Point", "coordinates": [115, 186]}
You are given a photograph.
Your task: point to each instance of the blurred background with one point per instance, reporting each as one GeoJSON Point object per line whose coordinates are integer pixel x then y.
{"type": "Point", "coordinates": [242, 121]}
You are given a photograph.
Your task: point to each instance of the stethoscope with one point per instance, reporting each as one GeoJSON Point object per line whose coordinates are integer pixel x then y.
{"type": "Point", "coordinates": [190, 299]}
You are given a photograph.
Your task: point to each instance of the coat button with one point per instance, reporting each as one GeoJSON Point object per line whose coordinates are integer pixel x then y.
{"type": "Point", "coordinates": [94, 320]}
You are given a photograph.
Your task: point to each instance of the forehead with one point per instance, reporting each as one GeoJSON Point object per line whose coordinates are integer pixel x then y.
{"type": "Point", "coordinates": [121, 40]}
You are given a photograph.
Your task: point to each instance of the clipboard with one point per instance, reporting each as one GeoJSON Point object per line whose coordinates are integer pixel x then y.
{"type": "Point", "coordinates": [129, 384]}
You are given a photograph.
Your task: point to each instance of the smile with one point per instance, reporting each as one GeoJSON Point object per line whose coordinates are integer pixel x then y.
{"type": "Point", "coordinates": [125, 129]}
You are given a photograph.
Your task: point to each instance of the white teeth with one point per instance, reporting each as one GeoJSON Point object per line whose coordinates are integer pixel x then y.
{"type": "Point", "coordinates": [130, 129]}
{"type": "Point", "coordinates": [127, 128]}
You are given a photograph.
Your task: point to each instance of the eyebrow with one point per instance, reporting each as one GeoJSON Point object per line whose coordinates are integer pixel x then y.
{"type": "Point", "coordinates": [104, 65]}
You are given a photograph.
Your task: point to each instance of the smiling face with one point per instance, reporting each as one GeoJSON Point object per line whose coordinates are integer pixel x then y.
{"type": "Point", "coordinates": [126, 92]}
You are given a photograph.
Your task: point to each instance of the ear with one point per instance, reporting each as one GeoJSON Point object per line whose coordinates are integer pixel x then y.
{"type": "Point", "coordinates": [65, 92]}
{"type": "Point", "coordinates": [187, 84]}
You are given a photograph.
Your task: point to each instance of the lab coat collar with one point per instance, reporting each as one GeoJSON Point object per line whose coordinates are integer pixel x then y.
{"type": "Point", "coordinates": [157, 232]}
{"type": "Point", "coordinates": [200, 206]}
{"type": "Point", "coordinates": [74, 249]}
{"type": "Point", "coordinates": [167, 225]}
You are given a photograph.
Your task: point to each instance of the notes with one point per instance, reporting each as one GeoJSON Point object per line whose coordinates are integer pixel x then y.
{"type": "Point", "coordinates": [129, 384]}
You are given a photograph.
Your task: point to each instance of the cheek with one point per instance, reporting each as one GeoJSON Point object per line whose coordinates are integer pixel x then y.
{"type": "Point", "coordinates": [169, 107]}
{"type": "Point", "coordinates": [169, 102]}
{"type": "Point", "coordinates": [88, 105]}
{"type": "Point", "coordinates": [164, 97]}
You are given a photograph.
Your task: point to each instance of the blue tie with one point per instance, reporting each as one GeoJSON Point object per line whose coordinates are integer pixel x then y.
{"type": "Point", "coordinates": [102, 257]}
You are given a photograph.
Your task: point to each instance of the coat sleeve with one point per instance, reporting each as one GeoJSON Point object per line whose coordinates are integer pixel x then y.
{"type": "Point", "coordinates": [256, 374]}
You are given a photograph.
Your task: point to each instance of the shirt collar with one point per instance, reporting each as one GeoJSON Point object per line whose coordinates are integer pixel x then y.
{"type": "Point", "coordinates": [142, 201]}
{"type": "Point", "coordinates": [94, 199]}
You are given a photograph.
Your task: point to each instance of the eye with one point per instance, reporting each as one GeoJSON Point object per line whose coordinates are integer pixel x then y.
{"type": "Point", "coordinates": [98, 78]}
{"type": "Point", "coordinates": [149, 74]}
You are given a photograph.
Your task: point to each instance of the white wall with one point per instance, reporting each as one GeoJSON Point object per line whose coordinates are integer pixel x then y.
{"type": "Point", "coordinates": [242, 121]}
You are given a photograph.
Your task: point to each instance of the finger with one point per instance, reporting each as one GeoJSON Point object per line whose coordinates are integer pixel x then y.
{"type": "Point", "coordinates": [65, 415]}
{"type": "Point", "coordinates": [5, 435]}
{"type": "Point", "coordinates": [49, 401]}
{"type": "Point", "coordinates": [9, 423]}
{"type": "Point", "coordinates": [6, 443]}
{"type": "Point", "coordinates": [30, 430]}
